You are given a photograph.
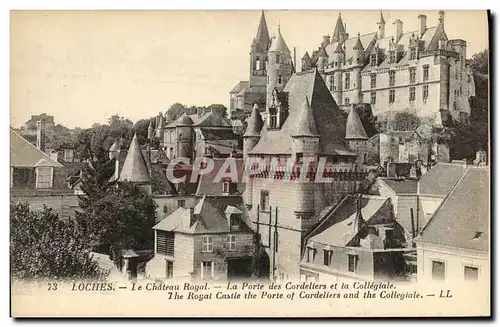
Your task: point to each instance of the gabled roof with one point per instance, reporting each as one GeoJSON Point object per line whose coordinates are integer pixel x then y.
{"type": "Point", "coordinates": [366, 41]}
{"type": "Point", "coordinates": [401, 186]}
{"type": "Point", "coordinates": [354, 126]}
{"type": "Point", "coordinates": [463, 219]}
{"type": "Point", "coordinates": [306, 56]}
{"type": "Point", "coordinates": [255, 123]}
{"type": "Point", "coordinates": [25, 154]}
{"type": "Point", "coordinates": [440, 179]}
{"type": "Point", "coordinates": [210, 216]}
{"type": "Point", "coordinates": [213, 120]}
{"type": "Point", "coordinates": [207, 184]}
{"type": "Point", "coordinates": [337, 227]}
{"type": "Point", "coordinates": [134, 168]}
{"type": "Point", "coordinates": [329, 120]}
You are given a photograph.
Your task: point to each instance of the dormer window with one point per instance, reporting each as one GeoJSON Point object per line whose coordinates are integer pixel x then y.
{"type": "Point", "coordinates": [373, 59]}
{"type": "Point", "coordinates": [235, 222]}
{"type": "Point", "coordinates": [413, 53]}
{"type": "Point", "coordinates": [225, 187]}
{"type": "Point", "coordinates": [44, 177]}
{"type": "Point", "coordinates": [273, 118]}
{"type": "Point", "coordinates": [257, 64]}
{"type": "Point", "coordinates": [392, 57]}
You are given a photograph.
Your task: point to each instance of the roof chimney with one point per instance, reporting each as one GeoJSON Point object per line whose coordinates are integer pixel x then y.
{"type": "Point", "coordinates": [188, 218]}
{"type": "Point", "coordinates": [422, 24]}
{"type": "Point", "coordinates": [399, 29]}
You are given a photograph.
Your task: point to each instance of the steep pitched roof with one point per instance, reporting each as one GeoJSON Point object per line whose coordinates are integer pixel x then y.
{"type": "Point", "coordinates": [401, 186]}
{"type": "Point", "coordinates": [305, 123]}
{"type": "Point", "coordinates": [255, 123]}
{"type": "Point", "coordinates": [358, 45]}
{"type": "Point", "coordinates": [25, 154]}
{"type": "Point", "coordinates": [329, 120]}
{"type": "Point", "coordinates": [207, 185]}
{"type": "Point", "coordinates": [306, 56]}
{"type": "Point", "coordinates": [463, 219]}
{"type": "Point", "coordinates": [262, 36]}
{"type": "Point", "coordinates": [339, 29]}
{"type": "Point", "coordinates": [238, 87]}
{"type": "Point", "coordinates": [354, 126]}
{"type": "Point", "coordinates": [440, 179]}
{"type": "Point", "coordinates": [134, 168]}
{"type": "Point", "coordinates": [278, 43]}
{"type": "Point", "coordinates": [213, 120]}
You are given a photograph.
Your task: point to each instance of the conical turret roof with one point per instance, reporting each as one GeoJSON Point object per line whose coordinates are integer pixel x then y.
{"type": "Point", "coordinates": [306, 125]}
{"type": "Point", "coordinates": [255, 123]}
{"type": "Point", "coordinates": [338, 48]}
{"type": "Point", "coordinates": [306, 56]}
{"type": "Point", "coordinates": [134, 168]}
{"type": "Point", "coordinates": [358, 45]}
{"type": "Point", "coordinates": [262, 36]}
{"type": "Point", "coordinates": [322, 53]}
{"type": "Point", "coordinates": [184, 120]}
{"type": "Point", "coordinates": [150, 127]}
{"type": "Point", "coordinates": [354, 128]}
{"type": "Point", "coordinates": [278, 43]}
{"type": "Point", "coordinates": [339, 30]}
{"type": "Point", "coordinates": [116, 146]}
{"type": "Point", "coordinates": [381, 20]}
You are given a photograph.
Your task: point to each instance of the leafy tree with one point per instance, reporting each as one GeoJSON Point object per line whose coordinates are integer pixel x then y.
{"type": "Point", "coordinates": [480, 63]}
{"type": "Point", "coordinates": [405, 121]}
{"type": "Point", "coordinates": [43, 246]}
{"type": "Point", "coordinates": [122, 217]}
{"type": "Point", "coordinates": [175, 111]}
{"type": "Point", "coordinates": [367, 119]}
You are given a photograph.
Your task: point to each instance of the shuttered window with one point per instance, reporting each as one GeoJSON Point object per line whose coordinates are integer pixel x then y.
{"type": "Point", "coordinates": [165, 243]}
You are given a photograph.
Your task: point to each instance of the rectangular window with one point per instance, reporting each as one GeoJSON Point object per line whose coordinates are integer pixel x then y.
{"type": "Point", "coordinates": [225, 187]}
{"type": "Point", "coordinates": [273, 118]}
{"type": "Point", "coordinates": [278, 59]}
{"type": "Point", "coordinates": [425, 92]}
{"type": "Point", "coordinates": [373, 81]}
{"type": "Point", "coordinates": [235, 222]}
{"type": "Point", "coordinates": [347, 101]}
{"type": "Point", "coordinates": [169, 273]}
{"type": "Point", "coordinates": [181, 187]}
{"type": "Point", "coordinates": [413, 75]}
{"type": "Point", "coordinates": [471, 273]}
{"type": "Point", "coordinates": [208, 243]}
{"type": "Point", "coordinates": [426, 73]}
{"type": "Point", "coordinates": [412, 94]}
{"type": "Point", "coordinates": [392, 78]}
{"type": "Point", "coordinates": [392, 57]}
{"type": "Point", "coordinates": [280, 79]}
{"type": "Point", "coordinates": [392, 96]}
{"type": "Point", "coordinates": [264, 200]}
{"type": "Point", "coordinates": [181, 203]}
{"type": "Point", "coordinates": [352, 262]}
{"type": "Point", "coordinates": [311, 254]}
{"type": "Point", "coordinates": [231, 242]}
{"type": "Point", "coordinates": [44, 177]}
{"type": "Point", "coordinates": [165, 242]}
{"type": "Point", "coordinates": [413, 53]}
{"type": "Point", "coordinates": [373, 60]}
{"type": "Point", "coordinates": [411, 269]}
{"type": "Point", "coordinates": [347, 81]}
{"type": "Point", "coordinates": [332, 83]}
{"type": "Point", "coordinates": [327, 257]}
{"type": "Point", "coordinates": [438, 270]}
{"type": "Point", "coordinates": [207, 270]}
{"type": "Point", "coordinates": [373, 96]}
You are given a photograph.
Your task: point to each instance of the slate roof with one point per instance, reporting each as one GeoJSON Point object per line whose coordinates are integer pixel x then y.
{"type": "Point", "coordinates": [401, 186]}
{"type": "Point", "coordinates": [213, 120]}
{"type": "Point", "coordinates": [354, 126]}
{"type": "Point", "coordinates": [305, 123]}
{"type": "Point", "coordinates": [440, 179]}
{"type": "Point", "coordinates": [134, 168]}
{"type": "Point", "coordinates": [262, 36]}
{"type": "Point", "coordinates": [25, 154]}
{"type": "Point", "coordinates": [329, 120]}
{"type": "Point", "coordinates": [157, 156]}
{"type": "Point", "coordinates": [207, 186]}
{"type": "Point", "coordinates": [278, 43]}
{"type": "Point", "coordinates": [238, 87]}
{"type": "Point", "coordinates": [255, 123]}
{"type": "Point", "coordinates": [366, 41]}
{"type": "Point", "coordinates": [463, 219]}
{"type": "Point", "coordinates": [210, 216]}
{"type": "Point", "coordinates": [339, 29]}
{"type": "Point", "coordinates": [337, 228]}
{"type": "Point", "coordinates": [184, 120]}
{"type": "Point", "coordinates": [215, 134]}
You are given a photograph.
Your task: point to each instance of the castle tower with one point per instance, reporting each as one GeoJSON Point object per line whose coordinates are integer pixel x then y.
{"type": "Point", "coordinates": [184, 130]}
{"type": "Point", "coordinates": [252, 133]}
{"type": "Point", "coordinates": [338, 61]}
{"type": "Point", "coordinates": [381, 27]}
{"type": "Point", "coordinates": [160, 127]}
{"type": "Point", "coordinates": [280, 67]}
{"type": "Point", "coordinates": [355, 134]}
{"type": "Point", "coordinates": [358, 60]}
{"type": "Point", "coordinates": [134, 168]}
{"type": "Point", "coordinates": [258, 54]}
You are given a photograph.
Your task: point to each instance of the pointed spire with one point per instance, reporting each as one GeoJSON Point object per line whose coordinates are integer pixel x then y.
{"type": "Point", "coordinates": [255, 123]}
{"type": "Point", "coordinates": [381, 20]}
{"type": "Point", "coordinates": [306, 125]}
{"type": "Point", "coordinates": [339, 31]}
{"type": "Point", "coordinates": [354, 126]}
{"type": "Point", "coordinates": [306, 56]}
{"type": "Point", "coordinates": [359, 221]}
{"type": "Point", "coordinates": [358, 45]}
{"type": "Point", "coordinates": [134, 168]}
{"type": "Point", "coordinates": [262, 36]}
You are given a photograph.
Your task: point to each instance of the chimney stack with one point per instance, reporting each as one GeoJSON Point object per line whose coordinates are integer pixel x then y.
{"type": "Point", "coordinates": [399, 29]}
{"type": "Point", "coordinates": [422, 25]}
{"type": "Point", "coordinates": [188, 218]}
{"type": "Point", "coordinates": [40, 135]}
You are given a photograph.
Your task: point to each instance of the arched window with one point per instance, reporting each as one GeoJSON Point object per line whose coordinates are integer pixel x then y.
{"type": "Point", "coordinates": [279, 79]}
{"type": "Point", "coordinates": [257, 64]}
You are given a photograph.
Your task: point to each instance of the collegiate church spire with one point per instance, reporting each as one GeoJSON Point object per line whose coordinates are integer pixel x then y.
{"type": "Point", "coordinates": [262, 36]}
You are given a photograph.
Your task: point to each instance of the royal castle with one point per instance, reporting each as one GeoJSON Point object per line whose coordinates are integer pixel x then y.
{"type": "Point", "coordinates": [421, 71]}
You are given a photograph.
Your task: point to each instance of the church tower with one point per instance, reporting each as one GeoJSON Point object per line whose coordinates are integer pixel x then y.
{"type": "Point", "coordinates": [279, 71]}
{"type": "Point", "coordinates": [258, 54]}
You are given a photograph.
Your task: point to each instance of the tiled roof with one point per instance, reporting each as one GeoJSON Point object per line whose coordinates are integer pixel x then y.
{"type": "Point", "coordinates": [210, 214]}
{"type": "Point", "coordinates": [134, 168]}
{"type": "Point", "coordinates": [463, 219]}
{"type": "Point", "coordinates": [25, 154]}
{"type": "Point", "coordinates": [440, 179]}
{"type": "Point", "coordinates": [329, 120]}
{"type": "Point", "coordinates": [337, 228]}
{"type": "Point", "coordinates": [401, 186]}
{"type": "Point", "coordinates": [207, 186]}
{"type": "Point", "coordinates": [213, 120]}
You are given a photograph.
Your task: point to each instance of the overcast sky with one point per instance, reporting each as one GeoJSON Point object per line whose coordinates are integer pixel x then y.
{"type": "Point", "coordinates": [84, 66]}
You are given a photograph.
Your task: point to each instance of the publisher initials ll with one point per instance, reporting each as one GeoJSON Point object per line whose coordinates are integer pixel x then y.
{"type": "Point", "coordinates": [445, 294]}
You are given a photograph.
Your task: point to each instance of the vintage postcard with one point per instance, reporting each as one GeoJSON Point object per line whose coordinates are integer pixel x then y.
{"type": "Point", "coordinates": [250, 163]}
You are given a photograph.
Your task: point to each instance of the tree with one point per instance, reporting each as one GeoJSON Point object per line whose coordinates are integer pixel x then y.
{"type": "Point", "coordinates": [44, 247]}
{"type": "Point", "coordinates": [367, 119]}
{"type": "Point", "coordinates": [480, 63]}
{"type": "Point", "coordinates": [405, 121]}
{"type": "Point", "coordinates": [218, 107]}
{"type": "Point", "coordinates": [175, 111]}
{"type": "Point", "coordinates": [122, 217]}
